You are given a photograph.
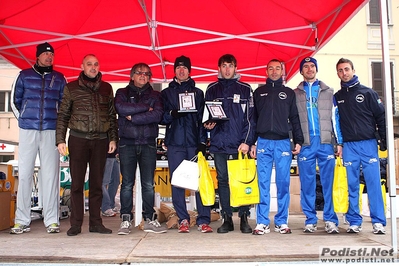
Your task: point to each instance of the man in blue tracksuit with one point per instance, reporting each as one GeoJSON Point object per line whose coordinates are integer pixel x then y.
{"type": "Point", "coordinates": [362, 120]}
{"type": "Point", "coordinates": [315, 107]}
{"type": "Point", "coordinates": [185, 136]}
{"type": "Point", "coordinates": [277, 116]}
{"type": "Point", "coordinates": [230, 136]}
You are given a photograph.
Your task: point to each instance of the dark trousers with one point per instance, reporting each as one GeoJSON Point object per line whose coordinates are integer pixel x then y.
{"type": "Point", "coordinates": [81, 152]}
{"type": "Point", "coordinates": [175, 156]}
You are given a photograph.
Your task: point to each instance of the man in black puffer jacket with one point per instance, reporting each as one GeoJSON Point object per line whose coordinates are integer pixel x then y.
{"type": "Point", "coordinates": [140, 110]}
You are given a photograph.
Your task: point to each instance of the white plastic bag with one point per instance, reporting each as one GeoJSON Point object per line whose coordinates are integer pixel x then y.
{"type": "Point", "coordinates": [186, 175]}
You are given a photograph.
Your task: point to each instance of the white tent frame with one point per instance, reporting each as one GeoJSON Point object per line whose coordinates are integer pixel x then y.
{"type": "Point", "coordinates": [389, 122]}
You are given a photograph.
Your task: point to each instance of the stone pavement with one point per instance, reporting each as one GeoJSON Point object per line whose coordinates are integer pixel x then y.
{"type": "Point", "coordinates": [195, 247]}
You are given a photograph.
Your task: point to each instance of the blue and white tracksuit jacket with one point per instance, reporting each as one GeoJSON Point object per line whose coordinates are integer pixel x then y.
{"type": "Point", "coordinates": [277, 114]}
{"type": "Point", "coordinates": [362, 114]}
{"type": "Point", "coordinates": [317, 115]}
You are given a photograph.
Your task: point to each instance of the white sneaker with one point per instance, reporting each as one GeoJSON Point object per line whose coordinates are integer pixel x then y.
{"type": "Point", "coordinates": [331, 228]}
{"type": "Point", "coordinates": [53, 228]}
{"type": "Point", "coordinates": [109, 213]}
{"type": "Point", "coordinates": [378, 229]}
{"type": "Point", "coordinates": [310, 228]}
{"type": "Point", "coordinates": [125, 225]}
{"type": "Point", "coordinates": [261, 229]}
{"type": "Point", "coordinates": [354, 229]}
{"type": "Point", "coordinates": [19, 229]}
{"type": "Point", "coordinates": [282, 229]}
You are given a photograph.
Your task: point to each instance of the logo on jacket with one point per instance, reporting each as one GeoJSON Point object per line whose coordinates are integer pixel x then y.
{"type": "Point", "coordinates": [360, 98]}
{"type": "Point", "coordinates": [263, 94]}
{"type": "Point", "coordinates": [282, 95]}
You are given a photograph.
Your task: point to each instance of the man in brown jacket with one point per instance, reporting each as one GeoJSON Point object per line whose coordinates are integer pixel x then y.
{"type": "Point", "coordinates": [87, 109]}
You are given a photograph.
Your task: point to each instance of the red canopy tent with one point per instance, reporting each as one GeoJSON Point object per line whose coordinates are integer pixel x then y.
{"type": "Point", "coordinates": [126, 32]}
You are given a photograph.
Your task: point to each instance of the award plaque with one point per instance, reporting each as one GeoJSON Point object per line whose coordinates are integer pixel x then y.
{"type": "Point", "coordinates": [187, 102]}
{"type": "Point", "coordinates": [213, 112]}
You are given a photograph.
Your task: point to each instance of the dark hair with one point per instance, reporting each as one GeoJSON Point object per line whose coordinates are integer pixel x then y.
{"type": "Point", "coordinates": [344, 60]}
{"type": "Point", "coordinates": [275, 60]}
{"type": "Point", "coordinates": [227, 58]}
{"type": "Point", "coordinates": [140, 65]}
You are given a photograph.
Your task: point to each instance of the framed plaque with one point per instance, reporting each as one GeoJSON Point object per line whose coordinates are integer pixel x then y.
{"type": "Point", "coordinates": [213, 112]}
{"type": "Point", "coordinates": [187, 102]}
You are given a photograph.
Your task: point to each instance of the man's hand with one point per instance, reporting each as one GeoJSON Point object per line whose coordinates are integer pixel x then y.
{"type": "Point", "coordinates": [339, 151]}
{"type": "Point", "coordinates": [383, 145]}
{"type": "Point", "coordinates": [177, 114]}
{"type": "Point", "coordinates": [253, 151]}
{"type": "Point", "coordinates": [112, 146]}
{"type": "Point", "coordinates": [297, 149]}
{"type": "Point", "coordinates": [209, 125]}
{"type": "Point", "coordinates": [201, 148]}
{"type": "Point", "coordinates": [62, 149]}
{"type": "Point", "coordinates": [244, 148]}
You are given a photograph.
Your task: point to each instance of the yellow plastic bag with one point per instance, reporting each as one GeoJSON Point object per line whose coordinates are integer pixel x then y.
{"type": "Point", "coordinates": [243, 181]}
{"type": "Point", "coordinates": [340, 188]}
{"type": "Point", "coordinates": [206, 188]}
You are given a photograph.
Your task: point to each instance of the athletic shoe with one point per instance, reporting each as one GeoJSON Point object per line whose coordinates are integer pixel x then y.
{"type": "Point", "coordinates": [261, 229]}
{"type": "Point", "coordinates": [116, 210]}
{"type": "Point", "coordinates": [109, 213]}
{"type": "Point", "coordinates": [331, 228]}
{"type": "Point", "coordinates": [282, 229]}
{"type": "Point", "coordinates": [354, 229]}
{"type": "Point", "coordinates": [53, 228]}
{"type": "Point", "coordinates": [204, 228]}
{"type": "Point", "coordinates": [310, 228]}
{"type": "Point", "coordinates": [19, 229]}
{"type": "Point", "coordinates": [184, 227]}
{"type": "Point", "coordinates": [378, 229]}
{"type": "Point", "coordinates": [125, 226]}
{"type": "Point", "coordinates": [154, 227]}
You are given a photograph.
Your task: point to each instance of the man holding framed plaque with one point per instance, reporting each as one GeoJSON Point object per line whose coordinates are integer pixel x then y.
{"type": "Point", "coordinates": [184, 137]}
{"type": "Point", "coordinates": [231, 123]}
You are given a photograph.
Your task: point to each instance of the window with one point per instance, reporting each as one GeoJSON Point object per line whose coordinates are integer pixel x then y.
{"type": "Point", "coordinates": [377, 80]}
{"type": "Point", "coordinates": [374, 11]}
{"type": "Point", "coordinates": [5, 101]}
{"type": "Point", "coordinates": [6, 158]}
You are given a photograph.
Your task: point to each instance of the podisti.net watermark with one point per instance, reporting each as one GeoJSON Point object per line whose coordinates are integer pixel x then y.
{"type": "Point", "coordinates": [356, 254]}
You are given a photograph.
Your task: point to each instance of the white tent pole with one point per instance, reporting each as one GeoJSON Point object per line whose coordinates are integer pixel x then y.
{"type": "Point", "coordinates": [389, 121]}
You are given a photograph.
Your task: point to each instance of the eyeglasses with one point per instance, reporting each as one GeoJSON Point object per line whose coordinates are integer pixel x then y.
{"type": "Point", "coordinates": [142, 73]}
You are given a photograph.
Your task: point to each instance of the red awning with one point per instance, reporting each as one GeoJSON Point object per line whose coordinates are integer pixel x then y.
{"type": "Point", "coordinates": [124, 32]}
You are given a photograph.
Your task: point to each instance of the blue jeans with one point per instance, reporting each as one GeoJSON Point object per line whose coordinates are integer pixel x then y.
{"type": "Point", "coordinates": [223, 185]}
{"type": "Point", "coordinates": [145, 156]}
{"type": "Point", "coordinates": [111, 182]}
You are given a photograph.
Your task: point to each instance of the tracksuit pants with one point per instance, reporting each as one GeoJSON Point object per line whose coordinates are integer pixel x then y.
{"type": "Point", "coordinates": [365, 154]}
{"type": "Point", "coordinates": [323, 154]}
{"type": "Point", "coordinates": [31, 144]}
{"type": "Point", "coordinates": [277, 152]}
